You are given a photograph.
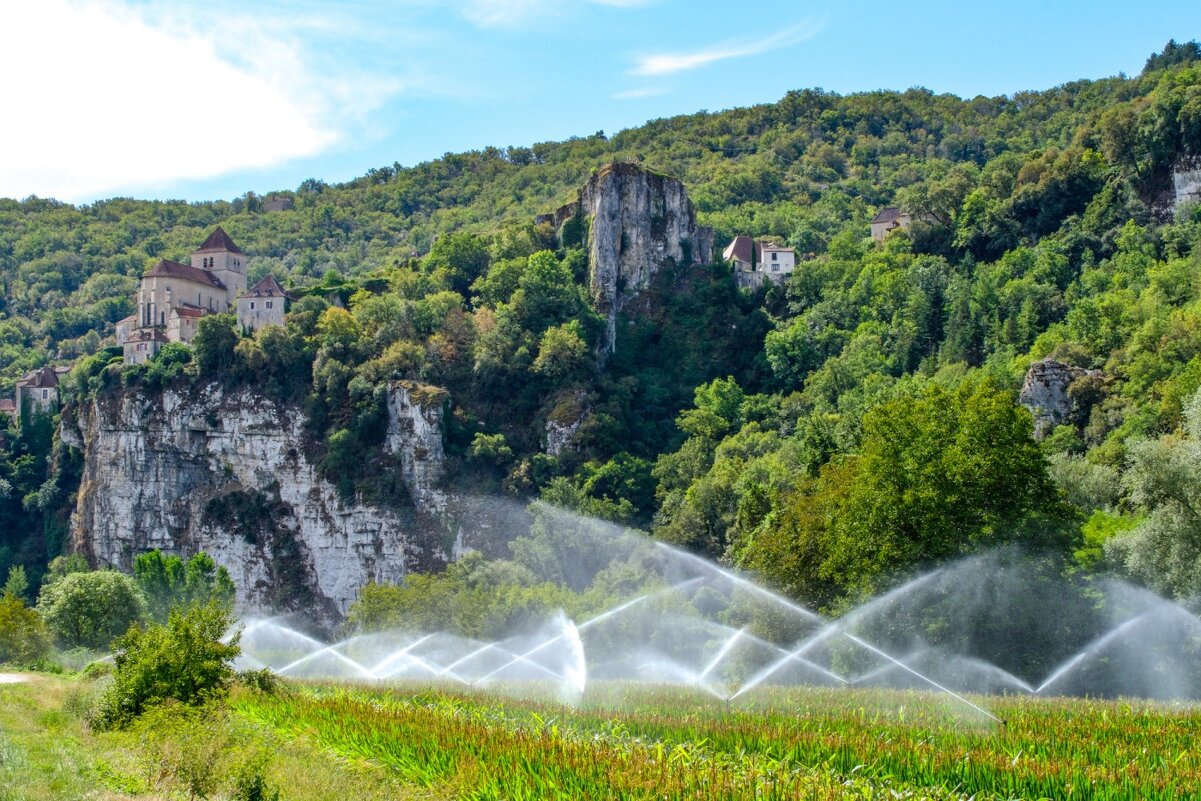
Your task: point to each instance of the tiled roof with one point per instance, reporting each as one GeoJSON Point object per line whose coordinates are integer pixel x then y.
{"type": "Point", "coordinates": [147, 335]}
{"type": "Point", "coordinates": [184, 272]}
{"type": "Point", "coordinates": [46, 377]}
{"type": "Point", "coordinates": [130, 319]}
{"type": "Point", "coordinates": [740, 249]}
{"type": "Point", "coordinates": [8, 406]}
{"type": "Point", "coordinates": [219, 240]}
{"type": "Point", "coordinates": [266, 288]}
{"type": "Point", "coordinates": [888, 214]}
{"type": "Point", "coordinates": [193, 312]}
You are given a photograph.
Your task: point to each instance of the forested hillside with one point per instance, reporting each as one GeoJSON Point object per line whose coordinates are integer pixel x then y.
{"type": "Point", "coordinates": [830, 434]}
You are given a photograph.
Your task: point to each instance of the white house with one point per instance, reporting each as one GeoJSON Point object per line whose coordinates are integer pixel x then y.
{"type": "Point", "coordinates": [758, 262]}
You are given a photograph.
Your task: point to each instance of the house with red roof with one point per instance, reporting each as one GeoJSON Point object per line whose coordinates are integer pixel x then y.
{"type": "Point", "coordinates": [756, 263]}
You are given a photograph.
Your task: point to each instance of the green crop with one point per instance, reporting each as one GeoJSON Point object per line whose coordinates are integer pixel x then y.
{"type": "Point", "coordinates": [637, 742]}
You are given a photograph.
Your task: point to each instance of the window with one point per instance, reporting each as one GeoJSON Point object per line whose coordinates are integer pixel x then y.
{"type": "Point", "coordinates": [270, 304]}
{"type": "Point", "coordinates": [45, 394]}
{"type": "Point", "coordinates": [775, 257]}
{"type": "Point", "coordinates": [252, 305]}
{"type": "Point", "coordinates": [775, 268]}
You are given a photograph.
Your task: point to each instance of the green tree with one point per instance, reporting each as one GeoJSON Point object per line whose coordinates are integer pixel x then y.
{"type": "Point", "coordinates": [214, 344]}
{"type": "Point", "coordinates": [938, 475]}
{"type": "Point", "coordinates": [91, 609]}
{"type": "Point", "coordinates": [189, 660]}
{"type": "Point", "coordinates": [168, 582]}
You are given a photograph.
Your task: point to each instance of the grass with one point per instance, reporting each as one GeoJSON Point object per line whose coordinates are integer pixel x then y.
{"type": "Point", "coordinates": [328, 741]}
{"type": "Point", "coordinates": [47, 753]}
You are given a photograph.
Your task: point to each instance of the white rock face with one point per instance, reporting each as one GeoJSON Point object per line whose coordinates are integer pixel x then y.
{"type": "Point", "coordinates": [1045, 394]}
{"type": "Point", "coordinates": [640, 222]}
{"type": "Point", "coordinates": [1186, 182]}
{"type": "Point", "coordinates": [227, 473]}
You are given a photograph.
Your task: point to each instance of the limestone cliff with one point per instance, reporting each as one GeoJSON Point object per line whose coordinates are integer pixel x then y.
{"type": "Point", "coordinates": [638, 222]}
{"type": "Point", "coordinates": [226, 472]}
{"type": "Point", "coordinates": [1058, 393]}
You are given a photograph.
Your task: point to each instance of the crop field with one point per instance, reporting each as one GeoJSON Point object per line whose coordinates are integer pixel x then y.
{"type": "Point", "coordinates": [628, 741]}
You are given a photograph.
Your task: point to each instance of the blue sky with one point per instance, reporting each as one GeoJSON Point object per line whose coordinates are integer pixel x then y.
{"type": "Point", "coordinates": [202, 100]}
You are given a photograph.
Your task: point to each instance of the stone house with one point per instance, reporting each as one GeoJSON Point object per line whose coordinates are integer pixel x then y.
{"type": "Point", "coordinates": [887, 220]}
{"type": "Point", "coordinates": [174, 297]}
{"type": "Point", "coordinates": [143, 345]}
{"type": "Point", "coordinates": [37, 392]}
{"type": "Point", "coordinates": [278, 203]}
{"type": "Point", "coordinates": [758, 262]}
{"type": "Point", "coordinates": [263, 304]}
{"type": "Point", "coordinates": [8, 408]}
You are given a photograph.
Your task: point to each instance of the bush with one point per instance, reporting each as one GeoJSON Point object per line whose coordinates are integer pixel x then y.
{"type": "Point", "coordinates": [24, 640]}
{"type": "Point", "coordinates": [185, 661]}
{"type": "Point", "coordinates": [91, 609]}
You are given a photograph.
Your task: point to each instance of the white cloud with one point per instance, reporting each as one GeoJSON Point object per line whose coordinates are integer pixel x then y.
{"type": "Point", "coordinates": [102, 99]}
{"type": "Point", "coordinates": [668, 63]}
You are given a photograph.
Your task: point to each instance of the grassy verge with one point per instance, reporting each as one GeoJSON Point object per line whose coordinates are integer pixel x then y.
{"type": "Point", "coordinates": [47, 753]}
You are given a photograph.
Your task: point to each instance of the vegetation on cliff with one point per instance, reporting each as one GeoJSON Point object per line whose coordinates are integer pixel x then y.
{"type": "Point", "coordinates": [835, 431]}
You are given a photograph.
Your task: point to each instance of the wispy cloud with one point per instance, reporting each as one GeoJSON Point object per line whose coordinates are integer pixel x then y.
{"type": "Point", "coordinates": [516, 13]}
{"type": "Point", "coordinates": [637, 94]}
{"type": "Point", "coordinates": [669, 63]}
{"type": "Point", "coordinates": [127, 97]}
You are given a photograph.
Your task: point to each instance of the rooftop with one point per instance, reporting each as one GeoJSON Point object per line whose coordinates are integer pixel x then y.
{"type": "Point", "coordinates": [266, 288]}
{"type": "Point", "coordinates": [888, 214]}
{"type": "Point", "coordinates": [185, 272]}
{"type": "Point", "coordinates": [45, 377]}
{"type": "Point", "coordinates": [219, 241]}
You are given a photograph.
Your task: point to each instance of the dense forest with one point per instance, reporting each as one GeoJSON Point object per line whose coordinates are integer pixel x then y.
{"type": "Point", "coordinates": [831, 434]}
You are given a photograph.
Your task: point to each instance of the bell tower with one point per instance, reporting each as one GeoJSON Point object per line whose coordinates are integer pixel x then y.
{"type": "Point", "coordinates": [226, 261]}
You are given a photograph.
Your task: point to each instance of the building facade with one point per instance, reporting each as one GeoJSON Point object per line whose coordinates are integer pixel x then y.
{"type": "Point", "coordinates": [261, 305]}
{"type": "Point", "coordinates": [37, 392]}
{"type": "Point", "coordinates": [174, 297]}
{"type": "Point", "coordinates": [757, 263]}
{"type": "Point", "coordinates": [887, 220]}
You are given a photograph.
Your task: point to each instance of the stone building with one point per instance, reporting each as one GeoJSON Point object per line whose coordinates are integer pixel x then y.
{"type": "Point", "coordinates": [174, 297]}
{"type": "Point", "coordinates": [37, 392]}
{"type": "Point", "coordinates": [263, 304]}
{"type": "Point", "coordinates": [756, 263]}
{"type": "Point", "coordinates": [278, 203]}
{"type": "Point", "coordinates": [887, 220]}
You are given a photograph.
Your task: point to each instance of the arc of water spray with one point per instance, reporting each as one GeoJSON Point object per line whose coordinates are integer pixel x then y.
{"type": "Point", "coordinates": [924, 678]}
{"type": "Point", "coordinates": [401, 654]}
{"type": "Point", "coordinates": [1088, 650]}
{"type": "Point", "coordinates": [745, 583]}
{"type": "Point", "coordinates": [794, 654]}
{"type": "Point", "coordinates": [721, 653]}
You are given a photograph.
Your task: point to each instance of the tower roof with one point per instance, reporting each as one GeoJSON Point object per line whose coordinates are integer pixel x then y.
{"type": "Point", "coordinates": [219, 240]}
{"type": "Point", "coordinates": [45, 377]}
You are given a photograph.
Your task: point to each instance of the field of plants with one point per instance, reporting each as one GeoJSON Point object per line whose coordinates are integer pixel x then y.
{"type": "Point", "coordinates": [302, 741]}
{"type": "Point", "coordinates": [636, 742]}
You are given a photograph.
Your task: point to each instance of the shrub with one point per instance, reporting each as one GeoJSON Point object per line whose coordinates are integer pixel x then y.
{"type": "Point", "coordinates": [185, 661]}
{"type": "Point", "coordinates": [91, 609]}
{"type": "Point", "coordinates": [23, 637]}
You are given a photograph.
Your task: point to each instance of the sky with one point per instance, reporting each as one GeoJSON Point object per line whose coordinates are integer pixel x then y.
{"type": "Point", "coordinates": [211, 99]}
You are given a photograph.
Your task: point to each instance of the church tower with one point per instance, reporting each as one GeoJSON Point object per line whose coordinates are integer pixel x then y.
{"type": "Point", "coordinates": [226, 261]}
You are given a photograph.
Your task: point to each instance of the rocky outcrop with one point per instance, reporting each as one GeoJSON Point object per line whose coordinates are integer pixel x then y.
{"type": "Point", "coordinates": [1055, 393]}
{"type": "Point", "coordinates": [226, 472]}
{"type": "Point", "coordinates": [1186, 182]}
{"type": "Point", "coordinates": [638, 222]}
